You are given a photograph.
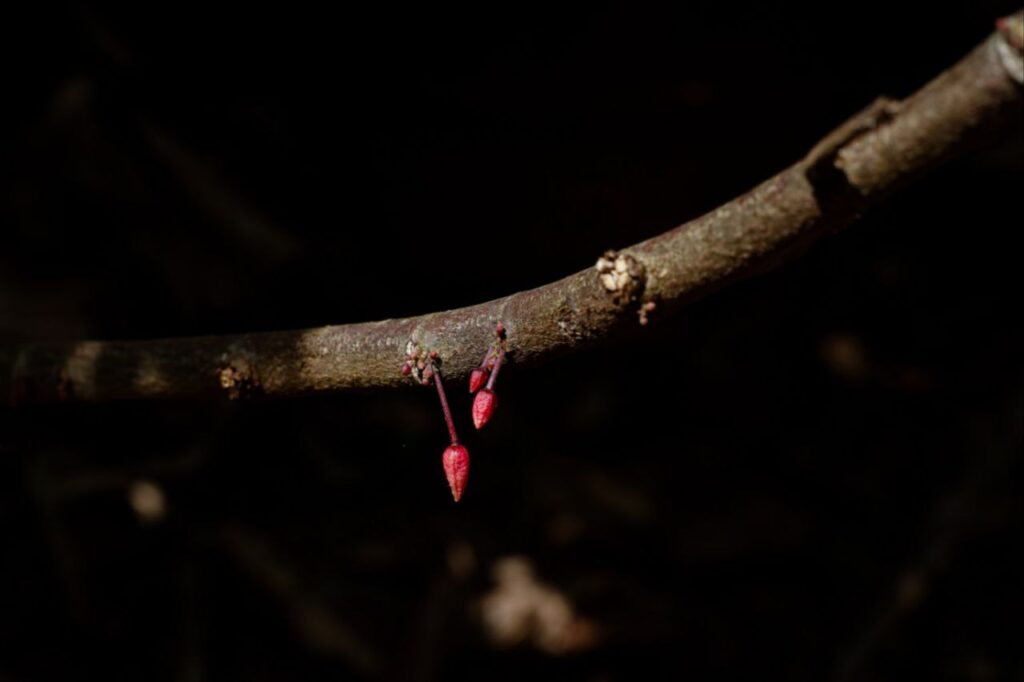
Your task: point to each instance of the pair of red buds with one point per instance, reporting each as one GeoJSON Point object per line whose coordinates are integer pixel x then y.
{"type": "Point", "coordinates": [455, 458]}
{"type": "Point", "coordinates": [486, 400]}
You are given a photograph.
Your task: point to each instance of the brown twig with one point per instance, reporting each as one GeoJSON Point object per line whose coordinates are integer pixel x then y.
{"type": "Point", "coordinates": [887, 145]}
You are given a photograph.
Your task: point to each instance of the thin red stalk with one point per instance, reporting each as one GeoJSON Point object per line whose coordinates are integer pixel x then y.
{"type": "Point", "coordinates": [444, 405]}
{"type": "Point", "coordinates": [497, 368]}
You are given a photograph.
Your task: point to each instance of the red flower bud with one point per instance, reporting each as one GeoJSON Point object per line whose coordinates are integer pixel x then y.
{"type": "Point", "coordinates": [456, 468]}
{"type": "Point", "coordinates": [483, 407]}
{"type": "Point", "coordinates": [476, 379]}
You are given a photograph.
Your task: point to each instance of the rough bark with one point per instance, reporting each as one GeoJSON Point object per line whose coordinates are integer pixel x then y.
{"type": "Point", "coordinates": [888, 144]}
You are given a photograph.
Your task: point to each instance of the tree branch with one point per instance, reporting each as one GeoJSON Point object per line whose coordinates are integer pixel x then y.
{"type": "Point", "coordinates": [877, 151]}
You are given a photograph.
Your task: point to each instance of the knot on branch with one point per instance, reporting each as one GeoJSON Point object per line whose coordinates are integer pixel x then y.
{"type": "Point", "coordinates": [419, 363]}
{"type": "Point", "coordinates": [1012, 30]}
{"type": "Point", "coordinates": [825, 164]}
{"type": "Point", "coordinates": [238, 378]}
{"type": "Point", "coordinates": [1011, 48]}
{"type": "Point", "coordinates": [621, 275]}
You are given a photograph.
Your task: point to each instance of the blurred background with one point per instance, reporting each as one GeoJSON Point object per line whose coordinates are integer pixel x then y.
{"type": "Point", "coordinates": [811, 475]}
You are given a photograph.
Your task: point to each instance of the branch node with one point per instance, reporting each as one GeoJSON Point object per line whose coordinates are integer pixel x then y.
{"type": "Point", "coordinates": [823, 161]}
{"type": "Point", "coordinates": [419, 363]}
{"type": "Point", "coordinates": [621, 275]}
{"type": "Point", "coordinates": [1011, 48]}
{"type": "Point", "coordinates": [1012, 30]}
{"type": "Point", "coordinates": [238, 378]}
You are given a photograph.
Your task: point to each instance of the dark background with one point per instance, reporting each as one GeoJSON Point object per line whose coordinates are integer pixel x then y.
{"type": "Point", "coordinates": [811, 475]}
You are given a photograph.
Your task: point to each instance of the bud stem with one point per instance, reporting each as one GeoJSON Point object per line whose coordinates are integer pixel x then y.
{"type": "Point", "coordinates": [444, 405]}
{"type": "Point", "coordinates": [497, 368]}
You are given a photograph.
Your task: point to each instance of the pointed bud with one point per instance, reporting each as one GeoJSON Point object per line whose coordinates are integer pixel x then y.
{"type": "Point", "coordinates": [456, 468]}
{"type": "Point", "coordinates": [477, 378]}
{"type": "Point", "coordinates": [483, 407]}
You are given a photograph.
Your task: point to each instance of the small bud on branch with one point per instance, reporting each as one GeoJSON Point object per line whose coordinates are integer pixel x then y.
{"type": "Point", "coordinates": [477, 378]}
{"type": "Point", "coordinates": [486, 400]}
{"type": "Point", "coordinates": [455, 458]}
{"type": "Point", "coordinates": [456, 468]}
{"type": "Point", "coordinates": [483, 407]}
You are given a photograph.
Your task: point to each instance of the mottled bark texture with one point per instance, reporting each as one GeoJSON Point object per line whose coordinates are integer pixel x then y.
{"type": "Point", "coordinates": [888, 144]}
